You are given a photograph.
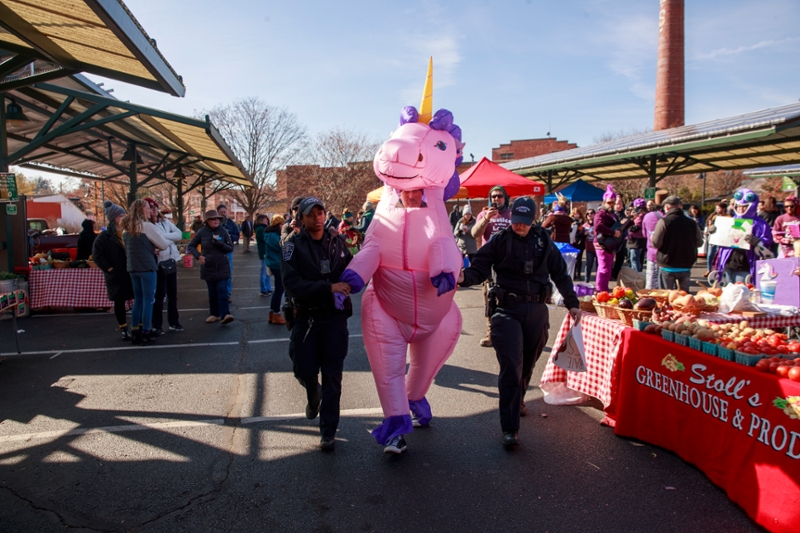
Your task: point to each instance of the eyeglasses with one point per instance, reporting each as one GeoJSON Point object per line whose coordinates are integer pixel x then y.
{"type": "Point", "coordinates": [789, 205]}
{"type": "Point", "coordinates": [498, 196]}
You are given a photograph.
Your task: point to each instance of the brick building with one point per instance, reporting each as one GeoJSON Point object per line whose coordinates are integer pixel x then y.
{"type": "Point", "coordinates": [337, 187]}
{"type": "Point", "coordinates": [529, 148]}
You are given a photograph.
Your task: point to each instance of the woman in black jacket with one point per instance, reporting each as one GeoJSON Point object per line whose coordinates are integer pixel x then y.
{"type": "Point", "coordinates": [214, 267]}
{"type": "Point", "coordinates": [86, 240]}
{"type": "Point", "coordinates": [109, 254]}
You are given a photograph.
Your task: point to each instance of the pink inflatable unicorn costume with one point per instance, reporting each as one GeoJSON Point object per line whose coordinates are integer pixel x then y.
{"type": "Point", "coordinates": [412, 259]}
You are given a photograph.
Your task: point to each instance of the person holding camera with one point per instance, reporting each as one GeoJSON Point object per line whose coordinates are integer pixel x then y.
{"type": "Point", "coordinates": [215, 269]}
{"type": "Point", "coordinates": [489, 223]}
{"type": "Point", "coordinates": [524, 260]}
{"type": "Point", "coordinates": [312, 262]}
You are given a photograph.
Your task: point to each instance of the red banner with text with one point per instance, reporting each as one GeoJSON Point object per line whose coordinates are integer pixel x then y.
{"type": "Point", "coordinates": [741, 427]}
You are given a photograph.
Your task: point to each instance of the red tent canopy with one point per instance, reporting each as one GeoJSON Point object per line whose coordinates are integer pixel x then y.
{"type": "Point", "coordinates": [480, 178]}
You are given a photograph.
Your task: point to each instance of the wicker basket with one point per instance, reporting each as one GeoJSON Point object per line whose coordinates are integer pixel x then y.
{"type": "Point", "coordinates": [627, 315]}
{"type": "Point", "coordinates": [659, 295]}
{"type": "Point", "coordinates": [588, 307]}
{"type": "Point", "coordinates": [696, 311]}
{"type": "Point", "coordinates": [60, 264]}
{"type": "Point", "coordinates": [606, 311]}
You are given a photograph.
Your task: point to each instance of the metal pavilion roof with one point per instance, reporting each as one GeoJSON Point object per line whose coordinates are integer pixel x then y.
{"type": "Point", "coordinates": [77, 128]}
{"type": "Point", "coordinates": [774, 172]}
{"type": "Point", "coordinates": [46, 39]}
{"type": "Point", "coordinates": [764, 138]}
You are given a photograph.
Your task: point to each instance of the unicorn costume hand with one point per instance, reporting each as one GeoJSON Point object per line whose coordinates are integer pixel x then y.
{"type": "Point", "coordinates": [411, 259]}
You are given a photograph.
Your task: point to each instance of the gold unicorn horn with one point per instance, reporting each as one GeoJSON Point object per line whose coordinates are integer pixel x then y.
{"type": "Point", "coordinates": [426, 107]}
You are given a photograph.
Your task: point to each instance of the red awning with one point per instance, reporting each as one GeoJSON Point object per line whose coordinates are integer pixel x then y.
{"type": "Point", "coordinates": [480, 178]}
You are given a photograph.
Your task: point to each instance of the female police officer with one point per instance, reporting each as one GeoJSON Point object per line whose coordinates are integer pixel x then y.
{"type": "Point", "coordinates": [312, 262]}
{"type": "Point", "coordinates": [524, 260]}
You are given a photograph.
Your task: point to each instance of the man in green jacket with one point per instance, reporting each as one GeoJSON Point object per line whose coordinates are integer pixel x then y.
{"type": "Point", "coordinates": [261, 243]}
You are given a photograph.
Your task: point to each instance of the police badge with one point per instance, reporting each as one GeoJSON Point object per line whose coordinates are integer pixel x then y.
{"type": "Point", "coordinates": [288, 250]}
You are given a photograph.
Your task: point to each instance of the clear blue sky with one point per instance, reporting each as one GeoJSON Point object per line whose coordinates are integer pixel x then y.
{"type": "Point", "coordinates": [507, 69]}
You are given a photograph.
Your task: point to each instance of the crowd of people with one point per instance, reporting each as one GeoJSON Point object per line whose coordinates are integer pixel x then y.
{"type": "Point", "coordinates": [505, 248]}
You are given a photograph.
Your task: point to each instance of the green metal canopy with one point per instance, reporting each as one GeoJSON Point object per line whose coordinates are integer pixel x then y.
{"type": "Point", "coordinates": [76, 128]}
{"type": "Point", "coordinates": [764, 138]}
{"type": "Point", "coordinates": [46, 39]}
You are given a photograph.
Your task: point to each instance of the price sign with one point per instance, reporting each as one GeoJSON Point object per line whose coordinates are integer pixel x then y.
{"type": "Point", "coordinates": [8, 187]}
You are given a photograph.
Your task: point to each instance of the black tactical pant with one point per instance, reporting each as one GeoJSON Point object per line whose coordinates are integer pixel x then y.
{"type": "Point", "coordinates": [323, 349]}
{"type": "Point", "coordinates": [518, 336]}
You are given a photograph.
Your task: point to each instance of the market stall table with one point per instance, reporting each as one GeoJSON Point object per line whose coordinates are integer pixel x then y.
{"type": "Point", "coordinates": [729, 420]}
{"type": "Point", "coordinates": [602, 339]}
{"type": "Point", "coordinates": [68, 287]}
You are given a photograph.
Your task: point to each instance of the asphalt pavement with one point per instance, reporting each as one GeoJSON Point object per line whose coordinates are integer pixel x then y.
{"type": "Point", "coordinates": [205, 431]}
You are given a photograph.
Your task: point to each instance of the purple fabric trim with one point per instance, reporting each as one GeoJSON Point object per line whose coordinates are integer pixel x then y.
{"type": "Point", "coordinates": [452, 186]}
{"type": "Point", "coordinates": [444, 282]}
{"type": "Point", "coordinates": [392, 427]}
{"type": "Point", "coordinates": [409, 114]}
{"type": "Point", "coordinates": [352, 278]}
{"type": "Point", "coordinates": [422, 410]}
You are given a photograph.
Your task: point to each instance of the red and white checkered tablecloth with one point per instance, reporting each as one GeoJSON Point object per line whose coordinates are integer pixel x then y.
{"type": "Point", "coordinates": [602, 341]}
{"type": "Point", "coordinates": [68, 287]}
{"type": "Point", "coordinates": [769, 321]}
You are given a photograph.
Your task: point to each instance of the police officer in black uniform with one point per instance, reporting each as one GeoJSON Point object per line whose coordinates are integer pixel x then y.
{"type": "Point", "coordinates": [312, 262]}
{"type": "Point", "coordinates": [524, 260]}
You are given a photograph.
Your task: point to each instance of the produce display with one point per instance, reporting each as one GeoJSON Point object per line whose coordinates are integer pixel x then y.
{"type": "Point", "coordinates": [677, 314]}
{"type": "Point", "coordinates": [45, 260]}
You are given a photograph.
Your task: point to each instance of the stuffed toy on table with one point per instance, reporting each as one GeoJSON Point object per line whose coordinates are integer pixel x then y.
{"type": "Point", "coordinates": [413, 261]}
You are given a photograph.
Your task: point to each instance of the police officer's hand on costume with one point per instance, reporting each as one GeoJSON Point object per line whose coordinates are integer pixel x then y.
{"type": "Point", "coordinates": [575, 313]}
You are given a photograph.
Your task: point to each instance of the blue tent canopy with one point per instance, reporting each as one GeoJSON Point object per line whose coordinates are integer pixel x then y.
{"type": "Point", "coordinates": [579, 191]}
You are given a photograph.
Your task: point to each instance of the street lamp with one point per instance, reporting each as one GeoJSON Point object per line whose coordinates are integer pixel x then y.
{"type": "Point", "coordinates": [14, 115]}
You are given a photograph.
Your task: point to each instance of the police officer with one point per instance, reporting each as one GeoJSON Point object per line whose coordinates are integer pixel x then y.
{"type": "Point", "coordinates": [312, 262]}
{"type": "Point", "coordinates": [524, 260]}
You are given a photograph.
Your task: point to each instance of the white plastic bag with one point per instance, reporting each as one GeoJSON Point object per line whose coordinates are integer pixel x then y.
{"type": "Point", "coordinates": [736, 297]}
{"type": "Point", "coordinates": [571, 355]}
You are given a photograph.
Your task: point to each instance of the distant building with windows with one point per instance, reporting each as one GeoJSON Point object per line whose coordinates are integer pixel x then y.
{"type": "Point", "coordinates": [529, 148]}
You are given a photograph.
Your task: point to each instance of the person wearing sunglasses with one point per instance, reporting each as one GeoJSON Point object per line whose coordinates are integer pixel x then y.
{"type": "Point", "coordinates": [492, 220]}
{"type": "Point", "coordinates": [781, 231]}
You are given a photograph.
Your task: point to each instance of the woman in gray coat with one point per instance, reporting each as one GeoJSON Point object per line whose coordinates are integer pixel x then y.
{"type": "Point", "coordinates": [463, 233]}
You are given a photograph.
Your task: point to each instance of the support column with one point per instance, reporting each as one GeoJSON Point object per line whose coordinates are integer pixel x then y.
{"type": "Point", "coordinates": [134, 184]}
{"type": "Point", "coordinates": [549, 181]}
{"type": "Point", "coordinates": [203, 202]}
{"type": "Point", "coordinates": [669, 105]}
{"type": "Point", "coordinates": [179, 204]}
{"type": "Point", "coordinates": [653, 170]}
{"type": "Point", "coordinates": [9, 237]}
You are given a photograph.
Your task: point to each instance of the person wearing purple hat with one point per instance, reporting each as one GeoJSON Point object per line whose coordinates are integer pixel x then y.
{"type": "Point", "coordinates": [561, 223]}
{"type": "Point", "coordinates": [604, 223]}
{"type": "Point", "coordinates": [637, 242]}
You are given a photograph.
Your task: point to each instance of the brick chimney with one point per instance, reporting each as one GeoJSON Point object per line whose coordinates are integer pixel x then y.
{"type": "Point", "coordinates": [669, 109]}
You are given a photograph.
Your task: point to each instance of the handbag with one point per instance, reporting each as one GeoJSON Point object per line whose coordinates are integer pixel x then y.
{"type": "Point", "coordinates": [168, 267]}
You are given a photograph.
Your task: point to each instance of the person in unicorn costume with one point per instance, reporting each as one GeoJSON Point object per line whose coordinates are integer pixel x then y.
{"type": "Point", "coordinates": [412, 259]}
{"type": "Point", "coordinates": [736, 263]}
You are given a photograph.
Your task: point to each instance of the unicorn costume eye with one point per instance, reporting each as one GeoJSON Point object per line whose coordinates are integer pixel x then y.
{"type": "Point", "coordinates": [441, 146]}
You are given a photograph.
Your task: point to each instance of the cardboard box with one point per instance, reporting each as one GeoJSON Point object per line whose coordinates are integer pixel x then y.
{"type": "Point", "coordinates": [787, 288]}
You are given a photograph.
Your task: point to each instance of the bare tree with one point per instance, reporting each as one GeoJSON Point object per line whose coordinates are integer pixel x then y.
{"type": "Point", "coordinates": [264, 138]}
{"type": "Point", "coordinates": [344, 173]}
{"type": "Point", "coordinates": [723, 182]}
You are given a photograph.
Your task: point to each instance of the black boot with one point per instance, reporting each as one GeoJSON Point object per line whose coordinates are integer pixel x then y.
{"type": "Point", "coordinates": [149, 337]}
{"type": "Point", "coordinates": [126, 336]}
{"type": "Point", "coordinates": [136, 336]}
